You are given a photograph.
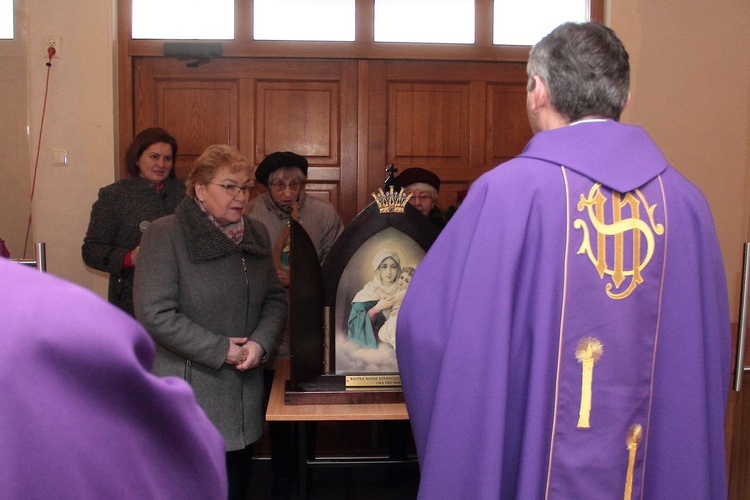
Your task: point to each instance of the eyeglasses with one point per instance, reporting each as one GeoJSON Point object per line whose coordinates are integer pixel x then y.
{"type": "Point", "coordinates": [233, 189]}
{"type": "Point", "coordinates": [424, 198]}
{"type": "Point", "coordinates": [280, 186]}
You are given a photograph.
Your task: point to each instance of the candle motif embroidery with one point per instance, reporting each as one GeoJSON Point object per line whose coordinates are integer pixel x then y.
{"type": "Point", "coordinates": [634, 438]}
{"type": "Point", "coordinates": [588, 352]}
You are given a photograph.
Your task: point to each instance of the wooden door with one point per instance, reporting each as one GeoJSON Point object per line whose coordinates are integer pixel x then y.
{"type": "Point", "coordinates": [258, 106]}
{"type": "Point", "coordinates": [457, 119]}
{"type": "Point", "coordinates": [738, 441]}
{"type": "Point", "coordinates": [738, 411]}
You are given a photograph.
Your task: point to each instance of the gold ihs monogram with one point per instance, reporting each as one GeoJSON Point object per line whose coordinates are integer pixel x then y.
{"type": "Point", "coordinates": [622, 222]}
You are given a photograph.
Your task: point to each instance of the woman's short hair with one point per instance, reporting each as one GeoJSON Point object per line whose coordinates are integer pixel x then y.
{"type": "Point", "coordinates": [286, 173]}
{"type": "Point", "coordinates": [211, 161]}
{"type": "Point", "coordinates": [586, 69]}
{"type": "Point", "coordinates": [142, 142]}
{"type": "Point", "coordinates": [421, 186]}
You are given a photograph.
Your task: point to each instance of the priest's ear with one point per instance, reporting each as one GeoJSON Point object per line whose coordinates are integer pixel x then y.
{"type": "Point", "coordinates": [538, 93]}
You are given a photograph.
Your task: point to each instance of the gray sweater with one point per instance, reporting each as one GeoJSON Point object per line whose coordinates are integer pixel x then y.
{"type": "Point", "coordinates": [194, 288]}
{"type": "Point", "coordinates": [318, 217]}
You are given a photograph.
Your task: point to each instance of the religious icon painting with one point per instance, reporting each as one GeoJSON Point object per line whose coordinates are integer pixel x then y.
{"type": "Point", "coordinates": [368, 297]}
{"type": "Point", "coordinates": [364, 279]}
{"type": "Point", "coordinates": [367, 275]}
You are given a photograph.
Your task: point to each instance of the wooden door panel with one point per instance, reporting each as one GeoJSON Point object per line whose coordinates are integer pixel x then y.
{"type": "Point", "coordinates": [328, 192]}
{"type": "Point", "coordinates": [200, 114]}
{"type": "Point", "coordinates": [738, 442]}
{"type": "Point", "coordinates": [737, 431]}
{"type": "Point", "coordinates": [300, 117]}
{"type": "Point", "coordinates": [428, 123]}
{"type": "Point", "coordinates": [506, 133]}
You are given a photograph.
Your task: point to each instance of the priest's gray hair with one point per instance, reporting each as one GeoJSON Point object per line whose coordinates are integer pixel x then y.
{"type": "Point", "coordinates": [586, 69]}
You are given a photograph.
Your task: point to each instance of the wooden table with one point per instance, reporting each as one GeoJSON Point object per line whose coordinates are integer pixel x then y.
{"type": "Point", "coordinates": [305, 413]}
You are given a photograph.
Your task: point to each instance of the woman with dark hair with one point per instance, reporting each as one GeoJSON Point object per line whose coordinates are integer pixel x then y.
{"type": "Point", "coordinates": [124, 209]}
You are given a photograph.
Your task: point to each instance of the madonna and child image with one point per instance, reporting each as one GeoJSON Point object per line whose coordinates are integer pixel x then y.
{"type": "Point", "coordinates": [368, 298]}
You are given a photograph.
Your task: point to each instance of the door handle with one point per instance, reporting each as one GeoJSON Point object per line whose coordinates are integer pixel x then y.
{"type": "Point", "coordinates": [739, 363]}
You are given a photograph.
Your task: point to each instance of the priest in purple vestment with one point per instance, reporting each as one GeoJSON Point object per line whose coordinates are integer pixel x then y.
{"type": "Point", "coordinates": [81, 416]}
{"type": "Point", "coordinates": [567, 335]}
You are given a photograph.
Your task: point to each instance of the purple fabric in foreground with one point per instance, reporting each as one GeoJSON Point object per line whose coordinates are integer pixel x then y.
{"type": "Point", "coordinates": [490, 330]}
{"type": "Point", "coordinates": [81, 416]}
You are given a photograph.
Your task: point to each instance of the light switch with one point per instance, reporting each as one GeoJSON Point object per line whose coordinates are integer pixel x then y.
{"type": "Point", "coordinates": [60, 157]}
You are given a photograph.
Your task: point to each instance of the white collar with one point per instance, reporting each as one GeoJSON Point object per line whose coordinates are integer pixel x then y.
{"type": "Point", "coordinates": [588, 120]}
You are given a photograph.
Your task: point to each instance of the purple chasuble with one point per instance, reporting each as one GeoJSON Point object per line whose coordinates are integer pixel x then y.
{"type": "Point", "coordinates": [81, 416]}
{"type": "Point", "coordinates": [567, 335]}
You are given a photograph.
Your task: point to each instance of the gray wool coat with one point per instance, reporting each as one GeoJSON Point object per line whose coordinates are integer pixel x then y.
{"type": "Point", "coordinates": [194, 288]}
{"type": "Point", "coordinates": [114, 229]}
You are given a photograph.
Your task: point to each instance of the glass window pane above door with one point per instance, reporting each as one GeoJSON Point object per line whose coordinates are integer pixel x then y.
{"type": "Point", "coordinates": [424, 21]}
{"type": "Point", "coordinates": [6, 20]}
{"type": "Point", "coordinates": [183, 19]}
{"type": "Point", "coordinates": [528, 21]}
{"type": "Point", "coordinates": [304, 20]}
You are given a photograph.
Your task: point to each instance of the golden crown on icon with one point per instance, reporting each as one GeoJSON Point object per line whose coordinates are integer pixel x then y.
{"type": "Point", "coordinates": [391, 202]}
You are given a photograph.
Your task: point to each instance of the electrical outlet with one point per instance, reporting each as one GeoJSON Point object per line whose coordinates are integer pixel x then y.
{"type": "Point", "coordinates": [55, 43]}
{"type": "Point", "coordinates": [60, 157]}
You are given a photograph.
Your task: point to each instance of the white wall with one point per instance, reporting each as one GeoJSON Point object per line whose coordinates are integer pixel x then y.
{"type": "Point", "coordinates": [80, 117]}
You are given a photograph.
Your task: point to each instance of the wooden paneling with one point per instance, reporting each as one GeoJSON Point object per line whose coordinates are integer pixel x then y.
{"type": "Point", "coordinates": [300, 117]}
{"type": "Point", "coordinates": [506, 134]}
{"type": "Point", "coordinates": [428, 123]}
{"type": "Point", "coordinates": [737, 431]}
{"type": "Point", "coordinates": [328, 192]}
{"type": "Point", "coordinates": [259, 106]}
{"type": "Point", "coordinates": [350, 119]}
{"type": "Point", "coordinates": [738, 442]}
{"type": "Point", "coordinates": [456, 119]}
{"type": "Point", "coordinates": [180, 103]}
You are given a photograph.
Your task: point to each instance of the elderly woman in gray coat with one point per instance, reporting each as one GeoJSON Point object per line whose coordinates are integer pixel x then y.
{"type": "Point", "coordinates": [207, 292]}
